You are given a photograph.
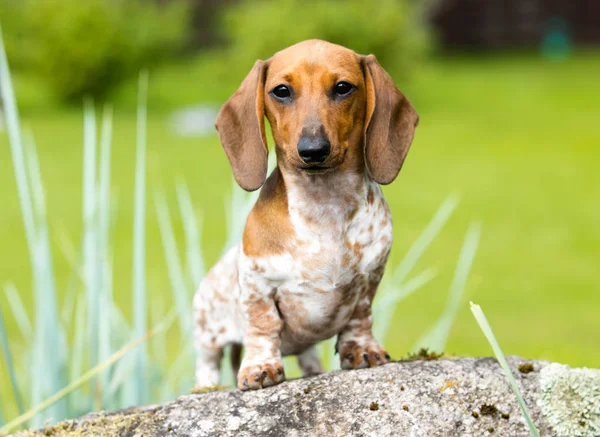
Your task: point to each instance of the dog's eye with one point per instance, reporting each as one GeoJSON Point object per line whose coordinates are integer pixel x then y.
{"type": "Point", "coordinates": [343, 88]}
{"type": "Point", "coordinates": [281, 92]}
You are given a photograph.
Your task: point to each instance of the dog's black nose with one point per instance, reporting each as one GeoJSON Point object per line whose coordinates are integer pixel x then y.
{"type": "Point", "coordinates": [313, 149]}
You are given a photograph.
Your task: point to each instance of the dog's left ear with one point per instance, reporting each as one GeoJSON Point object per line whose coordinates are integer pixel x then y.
{"type": "Point", "coordinates": [241, 127]}
{"type": "Point", "coordinates": [389, 125]}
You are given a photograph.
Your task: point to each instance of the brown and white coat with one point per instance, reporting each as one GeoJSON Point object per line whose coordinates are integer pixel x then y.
{"type": "Point", "coordinates": [316, 242]}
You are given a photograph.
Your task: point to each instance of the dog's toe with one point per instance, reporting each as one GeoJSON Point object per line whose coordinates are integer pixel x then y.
{"type": "Point", "coordinates": [262, 375]}
{"type": "Point", "coordinates": [357, 356]}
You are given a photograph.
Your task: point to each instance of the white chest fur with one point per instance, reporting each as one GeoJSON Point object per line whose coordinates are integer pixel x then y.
{"type": "Point", "coordinates": [342, 234]}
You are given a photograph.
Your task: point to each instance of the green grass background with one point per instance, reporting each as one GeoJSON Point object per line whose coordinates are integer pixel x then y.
{"type": "Point", "coordinates": [516, 137]}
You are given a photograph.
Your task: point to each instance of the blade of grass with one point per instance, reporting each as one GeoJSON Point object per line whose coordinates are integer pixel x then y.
{"type": "Point", "coordinates": [180, 292]}
{"type": "Point", "coordinates": [90, 242]}
{"type": "Point", "coordinates": [104, 261]}
{"type": "Point", "coordinates": [396, 295]}
{"type": "Point", "coordinates": [87, 376]}
{"type": "Point", "coordinates": [193, 238]}
{"type": "Point", "coordinates": [8, 360]}
{"type": "Point", "coordinates": [491, 338]}
{"type": "Point", "coordinates": [139, 243]}
{"type": "Point", "coordinates": [51, 338]}
{"type": "Point", "coordinates": [385, 314]}
{"type": "Point", "coordinates": [11, 116]}
{"type": "Point", "coordinates": [424, 240]}
{"type": "Point", "coordinates": [19, 313]}
{"type": "Point", "coordinates": [437, 337]}
{"type": "Point", "coordinates": [78, 348]}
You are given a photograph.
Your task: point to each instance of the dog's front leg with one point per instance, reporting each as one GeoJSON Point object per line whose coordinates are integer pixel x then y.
{"type": "Point", "coordinates": [261, 366]}
{"type": "Point", "coordinates": [356, 344]}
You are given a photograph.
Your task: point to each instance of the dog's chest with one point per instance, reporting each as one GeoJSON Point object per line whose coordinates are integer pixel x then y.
{"type": "Point", "coordinates": [338, 244]}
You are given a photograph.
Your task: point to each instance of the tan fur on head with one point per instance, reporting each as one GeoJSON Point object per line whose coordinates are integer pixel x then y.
{"type": "Point", "coordinates": [317, 240]}
{"type": "Point", "coordinates": [374, 125]}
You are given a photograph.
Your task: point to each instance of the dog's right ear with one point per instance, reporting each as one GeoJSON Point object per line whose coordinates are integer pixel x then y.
{"type": "Point", "coordinates": [241, 128]}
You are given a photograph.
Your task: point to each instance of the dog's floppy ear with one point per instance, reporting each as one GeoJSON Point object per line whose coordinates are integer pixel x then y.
{"type": "Point", "coordinates": [241, 128]}
{"type": "Point", "coordinates": [389, 125]}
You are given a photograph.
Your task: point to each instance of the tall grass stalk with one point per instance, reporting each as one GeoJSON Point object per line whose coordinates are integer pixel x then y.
{"type": "Point", "coordinates": [393, 288]}
{"type": "Point", "coordinates": [49, 338]}
{"type": "Point", "coordinates": [139, 242]}
{"type": "Point", "coordinates": [491, 338]}
{"type": "Point", "coordinates": [8, 359]}
{"type": "Point", "coordinates": [90, 252]}
{"type": "Point", "coordinates": [87, 376]}
{"type": "Point", "coordinates": [437, 336]}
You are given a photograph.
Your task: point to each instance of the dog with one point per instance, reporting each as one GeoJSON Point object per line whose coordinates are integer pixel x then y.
{"type": "Point", "coordinates": [317, 240]}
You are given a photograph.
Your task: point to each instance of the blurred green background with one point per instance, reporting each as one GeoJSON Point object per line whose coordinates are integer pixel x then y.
{"type": "Point", "coordinates": [510, 122]}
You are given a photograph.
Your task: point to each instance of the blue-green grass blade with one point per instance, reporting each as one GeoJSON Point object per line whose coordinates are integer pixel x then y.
{"type": "Point", "coordinates": [193, 235]}
{"type": "Point", "coordinates": [140, 305]}
{"type": "Point", "coordinates": [491, 338]}
{"type": "Point", "coordinates": [406, 265]}
{"type": "Point", "coordinates": [90, 237]}
{"type": "Point", "coordinates": [19, 313]}
{"type": "Point", "coordinates": [104, 257]}
{"type": "Point", "coordinates": [51, 335]}
{"type": "Point", "coordinates": [8, 360]}
{"type": "Point", "coordinates": [178, 286]}
{"type": "Point", "coordinates": [437, 337]}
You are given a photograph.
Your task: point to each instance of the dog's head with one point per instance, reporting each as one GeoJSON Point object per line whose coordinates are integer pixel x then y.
{"type": "Point", "coordinates": [329, 108]}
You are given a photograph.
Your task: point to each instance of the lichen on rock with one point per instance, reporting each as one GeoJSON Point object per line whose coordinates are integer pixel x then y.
{"type": "Point", "coordinates": [570, 400]}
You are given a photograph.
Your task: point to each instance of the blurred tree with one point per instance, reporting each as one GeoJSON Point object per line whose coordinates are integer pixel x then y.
{"type": "Point", "coordinates": [391, 29]}
{"type": "Point", "coordinates": [88, 47]}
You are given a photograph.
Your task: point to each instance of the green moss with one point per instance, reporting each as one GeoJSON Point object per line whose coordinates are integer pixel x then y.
{"type": "Point", "coordinates": [526, 368]}
{"type": "Point", "coordinates": [425, 355]}
{"type": "Point", "coordinates": [115, 425]}
{"type": "Point", "coordinates": [210, 389]}
{"type": "Point", "coordinates": [488, 410]}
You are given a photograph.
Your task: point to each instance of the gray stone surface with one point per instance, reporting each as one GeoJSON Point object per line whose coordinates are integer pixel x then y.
{"type": "Point", "coordinates": [446, 397]}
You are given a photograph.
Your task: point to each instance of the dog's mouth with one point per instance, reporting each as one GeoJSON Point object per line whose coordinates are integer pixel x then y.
{"type": "Point", "coordinates": [316, 169]}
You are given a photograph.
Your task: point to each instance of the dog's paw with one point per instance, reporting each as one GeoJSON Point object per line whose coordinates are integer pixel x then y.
{"type": "Point", "coordinates": [358, 356]}
{"type": "Point", "coordinates": [255, 376]}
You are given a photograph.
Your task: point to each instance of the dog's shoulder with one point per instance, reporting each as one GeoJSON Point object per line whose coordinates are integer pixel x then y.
{"type": "Point", "coordinates": [268, 227]}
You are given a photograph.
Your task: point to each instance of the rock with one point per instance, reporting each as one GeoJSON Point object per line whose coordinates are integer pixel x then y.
{"type": "Point", "coordinates": [446, 397]}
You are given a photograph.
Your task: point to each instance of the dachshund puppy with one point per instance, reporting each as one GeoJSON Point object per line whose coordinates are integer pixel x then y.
{"type": "Point", "coordinates": [317, 240]}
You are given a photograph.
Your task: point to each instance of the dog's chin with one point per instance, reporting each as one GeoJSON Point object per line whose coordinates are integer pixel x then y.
{"type": "Point", "coordinates": [316, 169]}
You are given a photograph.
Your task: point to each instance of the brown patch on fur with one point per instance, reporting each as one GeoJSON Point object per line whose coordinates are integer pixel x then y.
{"type": "Point", "coordinates": [268, 227]}
{"type": "Point", "coordinates": [346, 260]}
{"type": "Point", "coordinates": [370, 196]}
{"type": "Point", "coordinates": [201, 319]}
{"type": "Point", "coordinates": [357, 249]}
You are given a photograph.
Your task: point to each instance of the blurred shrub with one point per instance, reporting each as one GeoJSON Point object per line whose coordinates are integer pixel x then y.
{"type": "Point", "coordinates": [86, 47]}
{"type": "Point", "coordinates": [390, 29]}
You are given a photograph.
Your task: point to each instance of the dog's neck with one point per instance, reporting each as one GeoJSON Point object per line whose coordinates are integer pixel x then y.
{"type": "Point", "coordinates": [331, 198]}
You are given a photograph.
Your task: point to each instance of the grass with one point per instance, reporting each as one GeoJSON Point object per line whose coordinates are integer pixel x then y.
{"type": "Point", "coordinates": [491, 338]}
{"type": "Point", "coordinates": [515, 137]}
